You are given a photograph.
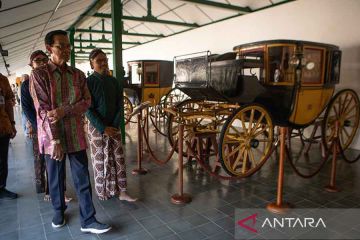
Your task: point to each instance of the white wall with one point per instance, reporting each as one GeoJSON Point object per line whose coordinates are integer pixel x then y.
{"type": "Point", "coordinates": [329, 21]}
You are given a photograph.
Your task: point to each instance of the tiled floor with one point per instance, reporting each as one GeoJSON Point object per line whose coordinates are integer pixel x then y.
{"type": "Point", "coordinates": [209, 216]}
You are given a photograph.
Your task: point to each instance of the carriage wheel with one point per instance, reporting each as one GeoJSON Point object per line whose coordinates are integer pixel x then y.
{"type": "Point", "coordinates": [189, 105]}
{"type": "Point", "coordinates": [128, 109]}
{"type": "Point", "coordinates": [174, 97]}
{"type": "Point", "coordinates": [344, 107]}
{"type": "Point", "coordinates": [304, 164]}
{"type": "Point", "coordinates": [246, 140]}
{"type": "Point", "coordinates": [158, 118]}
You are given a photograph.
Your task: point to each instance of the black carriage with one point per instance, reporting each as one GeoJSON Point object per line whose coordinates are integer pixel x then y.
{"type": "Point", "coordinates": [273, 83]}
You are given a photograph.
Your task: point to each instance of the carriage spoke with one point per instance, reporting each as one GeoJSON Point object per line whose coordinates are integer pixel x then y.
{"type": "Point", "coordinates": [352, 116]}
{"type": "Point", "coordinates": [251, 120]}
{"type": "Point", "coordinates": [243, 122]}
{"type": "Point", "coordinates": [259, 132]}
{"type": "Point", "coordinates": [336, 113]}
{"type": "Point", "coordinates": [257, 123]}
{"type": "Point", "coordinates": [237, 131]}
{"type": "Point", "coordinates": [238, 158]}
{"type": "Point", "coordinates": [342, 142]}
{"type": "Point", "coordinates": [346, 132]}
{"type": "Point", "coordinates": [252, 158]}
{"type": "Point", "coordinates": [349, 111]}
{"type": "Point", "coordinates": [348, 103]}
{"type": "Point", "coordinates": [235, 150]}
{"type": "Point", "coordinates": [245, 161]}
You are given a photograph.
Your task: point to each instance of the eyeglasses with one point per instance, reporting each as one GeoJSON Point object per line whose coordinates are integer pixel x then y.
{"type": "Point", "coordinates": [41, 60]}
{"type": "Point", "coordinates": [63, 46]}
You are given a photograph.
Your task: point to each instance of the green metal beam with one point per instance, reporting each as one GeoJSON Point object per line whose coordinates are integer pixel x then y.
{"type": "Point", "coordinates": [88, 47]}
{"type": "Point", "coordinates": [143, 34]}
{"type": "Point", "coordinates": [117, 25]}
{"type": "Point", "coordinates": [124, 33]}
{"type": "Point", "coordinates": [87, 53]}
{"type": "Point", "coordinates": [104, 41]}
{"type": "Point", "coordinates": [150, 19]}
{"type": "Point", "coordinates": [90, 11]}
{"type": "Point", "coordinates": [220, 5]}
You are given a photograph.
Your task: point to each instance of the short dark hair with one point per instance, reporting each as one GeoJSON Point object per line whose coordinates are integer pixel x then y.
{"type": "Point", "coordinates": [95, 52]}
{"type": "Point", "coordinates": [36, 53]}
{"type": "Point", "coordinates": [49, 38]}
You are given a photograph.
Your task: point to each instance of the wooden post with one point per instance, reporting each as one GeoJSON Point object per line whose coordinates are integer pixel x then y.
{"type": "Point", "coordinates": [332, 185]}
{"type": "Point", "coordinates": [280, 207]}
{"type": "Point", "coordinates": [139, 170]}
{"type": "Point", "coordinates": [181, 197]}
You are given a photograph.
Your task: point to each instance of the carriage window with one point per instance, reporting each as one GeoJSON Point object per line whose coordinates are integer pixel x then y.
{"type": "Point", "coordinates": [253, 62]}
{"type": "Point", "coordinates": [136, 73]}
{"type": "Point", "coordinates": [313, 71]}
{"type": "Point", "coordinates": [278, 64]}
{"type": "Point", "coordinates": [334, 67]}
{"type": "Point", "coordinates": [151, 73]}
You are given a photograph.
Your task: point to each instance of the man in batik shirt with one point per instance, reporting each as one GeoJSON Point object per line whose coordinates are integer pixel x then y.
{"type": "Point", "coordinates": [61, 97]}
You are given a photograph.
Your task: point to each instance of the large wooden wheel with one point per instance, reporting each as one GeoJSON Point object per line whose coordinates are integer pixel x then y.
{"type": "Point", "coordinates": [174, 97]}
{"type": "Point", "coordinates": [246, 140]}
{"type": "Point", "coordinates": [344, 108]}
{"type": "Point", "coordinates": [304, 164]}
{"type": "Point", "coordinates": [128, 109]}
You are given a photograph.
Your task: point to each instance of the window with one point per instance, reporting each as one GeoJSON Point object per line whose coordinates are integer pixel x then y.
{"type": "Point", "coordinates": [313, 71]}
{"type": "Point", "coordinates": [151, 73]}
{"type": "Point", "coordinates": [136, 73]}
{"type": "Point", "coordinates": [253, 62]}
{"type": "Point", "coordinates": [280, 72]}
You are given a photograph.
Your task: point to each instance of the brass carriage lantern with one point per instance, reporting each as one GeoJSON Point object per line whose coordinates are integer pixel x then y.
{"type": "Point", "coordinates": [139, 71]}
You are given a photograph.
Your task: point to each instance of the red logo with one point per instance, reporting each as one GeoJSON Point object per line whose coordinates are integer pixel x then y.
{"type": "Point", "coordinates": [242, 223]}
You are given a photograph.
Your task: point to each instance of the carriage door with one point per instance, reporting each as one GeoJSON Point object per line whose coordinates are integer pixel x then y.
{"type": "Point", "coordinates": [151, 83]}
{"type": "Point", "coordinates": [312, 96]}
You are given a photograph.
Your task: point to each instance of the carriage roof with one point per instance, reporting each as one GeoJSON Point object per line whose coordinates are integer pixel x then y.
{"type": "Point", "coordinates": [286, 41]}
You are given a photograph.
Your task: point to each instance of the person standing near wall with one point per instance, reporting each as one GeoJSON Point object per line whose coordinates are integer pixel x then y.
{"type": "Point", "coordinates": [104, 130]}
{"type": "Point", "coordinates": [7, 131]}
{"type": "Point", "coordinates": [61, 98]}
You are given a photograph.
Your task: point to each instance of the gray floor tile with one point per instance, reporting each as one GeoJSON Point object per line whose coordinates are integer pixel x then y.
{"type": "Point", "coordinates": [63, 235]}
{"type": "Point", "coordinates": [160, 232]}
{"type": "Point", "coordinates": [192, 234]}
{"type": "Point", "coordinates": [14, 235]}
{"type": "Point", "coordinates": [151, 222]}
{"type": "Point", "coordinates": [210, 229]}
{"type": "Point", "coordinates": [154, 216]}
{"type": "Point", "coordinates": [31, 233]}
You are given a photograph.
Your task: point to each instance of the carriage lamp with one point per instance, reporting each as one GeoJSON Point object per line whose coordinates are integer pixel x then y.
{"type": "Point", "coordinates": [139, 71]}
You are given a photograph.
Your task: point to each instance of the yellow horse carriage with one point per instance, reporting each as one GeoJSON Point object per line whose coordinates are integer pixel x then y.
{"type": "Point", "coordinates": [242, 96]}
{"type": "Point", "coordinates": [148, 80]}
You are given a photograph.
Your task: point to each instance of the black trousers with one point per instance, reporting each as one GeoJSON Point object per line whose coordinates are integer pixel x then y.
{"type": "Point", "coordinates": [80, 174]}
{"type": "Point", "coordinates": [4, 150]}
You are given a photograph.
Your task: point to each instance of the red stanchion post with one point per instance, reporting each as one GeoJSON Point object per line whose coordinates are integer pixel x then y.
{"type": "Point", "coordinates": [181, 197]}
{"type": "Point", "coordinates": [139, 170]}
{"type": "Point", "coordinates": [147, 127]}
{"type": "Point", "coordinates": [332, 185]}
{"type": "Point", "coordinates": [279, 206]}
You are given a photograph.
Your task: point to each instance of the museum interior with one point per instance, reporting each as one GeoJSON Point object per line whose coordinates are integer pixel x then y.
{"type": "Point", "coordinates": [179, 119]}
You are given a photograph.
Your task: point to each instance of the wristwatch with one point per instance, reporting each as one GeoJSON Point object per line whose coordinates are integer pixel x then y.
{"type": "Point", "coordinates": [55, 141]}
